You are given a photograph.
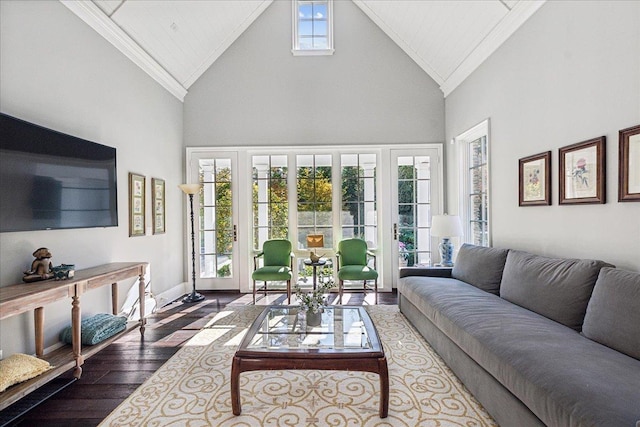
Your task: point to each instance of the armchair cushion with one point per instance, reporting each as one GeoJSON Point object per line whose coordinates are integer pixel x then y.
{"type": "Point", "coordinates": [357, 272]}
{"type": "Point", "coordinates": [272, 273]}
{"type": "Point", "coordinates": [352, 252]}
{"type": "Point", "coordinates": [277, 252]}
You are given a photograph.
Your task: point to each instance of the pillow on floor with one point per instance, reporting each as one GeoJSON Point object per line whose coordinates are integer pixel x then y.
{"type": "Point", "coordinates": [20, 367]}
{"type": "Point", "coordinates": [613, 313]}
{"type": "Point", "coordinates": [97, 328]}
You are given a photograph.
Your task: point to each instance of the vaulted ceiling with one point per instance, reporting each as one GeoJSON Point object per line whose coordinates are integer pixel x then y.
{"type": "Point", "coordinates": [176, 41]}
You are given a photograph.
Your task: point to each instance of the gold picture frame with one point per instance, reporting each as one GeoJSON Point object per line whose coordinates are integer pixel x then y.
{"type": "Point", "coordinates": [629, 166]}
{"type": "Point", "coordinates": [137, 206]}
{"type": "Point", "coordinates": [158, 205]}
{"type": "Point", "coordinates": [535, 180]}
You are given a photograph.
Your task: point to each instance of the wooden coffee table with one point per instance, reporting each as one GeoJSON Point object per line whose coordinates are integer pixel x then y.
{"type": "Point", "coordinates": [346, 340]}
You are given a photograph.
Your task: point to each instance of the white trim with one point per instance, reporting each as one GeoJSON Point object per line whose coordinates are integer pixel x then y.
{"type": "Point", "coordinates": [400, 42]}
{"type": "Point", "coordinates": [173, 293]}
{"type": "Point", "coordinates": [93, 16]}
{"type": "Point", "coordinates": [228, 41]}
{"type": "Point", "coordinates": [295, 49]}
{"type": "Point", "coordinates": [522, 11]}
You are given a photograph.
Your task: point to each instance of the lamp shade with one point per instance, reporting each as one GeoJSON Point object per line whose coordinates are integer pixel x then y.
{"type": "Point", "coordinates": [446, 226]}
{"type": "Point", "coordinates": [315, 241]}
{"type": "Point", "coordinates": [190, 188]}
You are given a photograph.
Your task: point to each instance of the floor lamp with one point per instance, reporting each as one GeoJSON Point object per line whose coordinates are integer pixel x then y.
{"type": "Point", "coordinates": [190, 190]}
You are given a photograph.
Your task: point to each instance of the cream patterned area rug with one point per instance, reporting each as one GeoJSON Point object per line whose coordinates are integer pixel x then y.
{"type": "Point", "coordinates": [192, 388]}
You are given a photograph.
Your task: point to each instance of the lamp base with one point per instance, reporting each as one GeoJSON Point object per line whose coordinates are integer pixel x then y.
{"type": "Point", "coordinates": [446, 253]}
{"type": "Point", "coordinates": [193, 297]}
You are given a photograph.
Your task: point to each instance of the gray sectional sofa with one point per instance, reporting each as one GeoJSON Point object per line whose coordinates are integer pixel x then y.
{"type": "Point", "coordinates": [537, 340]}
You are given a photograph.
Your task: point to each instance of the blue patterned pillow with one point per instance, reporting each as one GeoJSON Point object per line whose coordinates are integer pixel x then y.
{"type": "Point", "coordinates": [97, 328]}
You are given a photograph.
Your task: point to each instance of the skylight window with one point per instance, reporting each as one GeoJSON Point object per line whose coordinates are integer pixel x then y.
{"type": "Point", "coordinates": [312, 27]}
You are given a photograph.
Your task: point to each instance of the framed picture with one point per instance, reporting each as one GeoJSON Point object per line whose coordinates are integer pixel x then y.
{"type": "Point", "coordinates": [582, 172]}
{"type": "Point", "coordinates": [157, 201]}
{"type": "Point", "coordinates": [136, 205]}
{"type": "Point", "coordinates": [629, 166]}
{"type": "Point", "coordinates": [535, 180]}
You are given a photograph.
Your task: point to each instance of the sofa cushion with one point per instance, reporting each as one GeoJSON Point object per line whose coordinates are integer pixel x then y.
{"type": "Point", "coordinates": [555, 288]}
{"type": "Point", "coordinates": [480, 266]}
{"type": "Point", "coordinates": [613, 313]}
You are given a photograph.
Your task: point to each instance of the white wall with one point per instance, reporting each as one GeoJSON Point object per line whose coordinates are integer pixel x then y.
{"type": "Point", "coordinates": [570, 73]}
{"type": "Point", "coordinates": [258, 93]}
{"type": "Point", "coordinates": [57, 72]}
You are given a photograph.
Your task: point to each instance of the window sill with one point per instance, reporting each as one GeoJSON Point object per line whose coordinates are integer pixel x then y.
{"type": "Point", "coordinates": [314, 52]}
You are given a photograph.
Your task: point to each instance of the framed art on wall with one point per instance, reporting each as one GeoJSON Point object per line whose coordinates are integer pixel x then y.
{"type": "Point", "coordinates": [136, 205]}
{"type": "Point", "coordinates": [629, 165]}
{"type": "Point", "coordinates": [582, 172]}
{"type": "Point", "coordinates": [534, 178]}
{"type": "Point", "coordinates": [157, 201]}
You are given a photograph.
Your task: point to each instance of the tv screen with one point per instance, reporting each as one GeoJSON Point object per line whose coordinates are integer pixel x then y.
{"type": "Point", "coordinates": [49, 180]}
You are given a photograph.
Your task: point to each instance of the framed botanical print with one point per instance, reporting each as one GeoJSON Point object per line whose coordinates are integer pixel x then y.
{"type": "Point", "coordinates": [157, 201]}
{"type": "Point", "coordinates": [629, 166]}
{"type": "Point", "coordinates": [136, 205]}
{"type": "Point", "coordinates": [582, 172]}
{"type": "Point", "coordinates": [535, 180]}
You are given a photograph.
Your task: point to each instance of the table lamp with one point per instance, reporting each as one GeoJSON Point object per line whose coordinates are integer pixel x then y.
{"type": "Point", "coordinates": [446, 226]}
{"type": "Point", "coordinates": [315, 241]}
{"type": "Point", "coordinates": [190, 190]}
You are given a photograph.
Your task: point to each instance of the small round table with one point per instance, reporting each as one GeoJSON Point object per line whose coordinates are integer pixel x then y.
{"type": "Point", "coordinates": [321, 262]}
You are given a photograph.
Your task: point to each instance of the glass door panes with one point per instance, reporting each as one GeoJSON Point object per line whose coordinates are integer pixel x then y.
{"type": "Point", "coordinates": [358, 213]}
{"type": "Point", "coordinates": [217, 229]}
{"type": "Point", "coordinates": [270, 199]}
{"type": "Point", "coordinates": [412, 227]}
{"type": "Point", "coordinates": [314, 198]}
{"type": "Point", "coordinates": [478, 185]}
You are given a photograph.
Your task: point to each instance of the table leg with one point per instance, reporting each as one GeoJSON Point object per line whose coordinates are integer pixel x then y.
{"type": "Point", "coordinates": [142, 296]}
{"type": "Point", "coordinates": [235, 386]}
{"type": "Point", "coordinates": [384, 387]}
{"type": "Point", "coordinates": [76, 336]}
{"type": "Point", "coordinates": [38, 319]}
{"type": "Point", "coordinates": [314, 277]}
{"type": "Point", "coordinates": [114, 299]}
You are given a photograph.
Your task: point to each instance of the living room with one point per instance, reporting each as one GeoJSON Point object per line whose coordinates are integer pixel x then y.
{"type": "Point", "coordinates": [569, 74]}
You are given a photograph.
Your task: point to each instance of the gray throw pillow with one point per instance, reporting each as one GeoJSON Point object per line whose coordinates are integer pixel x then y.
{"type": "Point", "coordinates": [480, 266]}
{"type": "Point", "coordinates": [558, 289]}
{"type": "Point", "coordinates": [613, 313]}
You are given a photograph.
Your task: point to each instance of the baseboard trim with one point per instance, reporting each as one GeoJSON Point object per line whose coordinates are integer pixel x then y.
{"type": "Point", "coordinates": [172, 294]}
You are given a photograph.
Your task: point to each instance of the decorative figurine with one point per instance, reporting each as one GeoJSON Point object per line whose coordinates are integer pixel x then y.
{"type": "Point", "coordinates": [40, 267]}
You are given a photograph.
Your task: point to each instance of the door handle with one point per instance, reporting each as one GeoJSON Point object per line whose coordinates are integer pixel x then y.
{"type": "Point", "coordinates": [235, 233]}
{"type": "Point", "coordinates": [395, 231]}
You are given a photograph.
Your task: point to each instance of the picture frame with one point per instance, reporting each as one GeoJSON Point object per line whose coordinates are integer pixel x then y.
{"type": "Point", "coordinates": [158, 205]}
{"type": "Point", "coordinates": [582, 172]}
{"type": "Point", "coordinates": [534, 178]}
{"type": "Point", "coordinates": [629, 165]}
{"type": "Point", "coordinates": [137, 206]}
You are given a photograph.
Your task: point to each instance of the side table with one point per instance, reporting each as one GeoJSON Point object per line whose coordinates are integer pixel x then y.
{"type": "Point", "coordinates": [320, 263]}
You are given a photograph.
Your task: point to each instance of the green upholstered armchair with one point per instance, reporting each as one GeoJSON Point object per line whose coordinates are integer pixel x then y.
{"type": "Point", "coordinates": [277, 266]}
{"type": "Point", "coordinates": [353, 258]}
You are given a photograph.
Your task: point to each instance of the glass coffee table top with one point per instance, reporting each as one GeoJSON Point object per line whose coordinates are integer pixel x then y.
{"type": "Point", "coordinates": [284, 329]}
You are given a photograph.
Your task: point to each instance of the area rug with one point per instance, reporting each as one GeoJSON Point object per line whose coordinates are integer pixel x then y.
{"type": "Point", "coordinates": [192, 388]}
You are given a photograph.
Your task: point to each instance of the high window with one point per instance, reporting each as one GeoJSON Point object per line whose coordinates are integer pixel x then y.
{"type": "Point", "coordinates": [474, 150]}
{"type": "Point", "coordinates": [312, 27]}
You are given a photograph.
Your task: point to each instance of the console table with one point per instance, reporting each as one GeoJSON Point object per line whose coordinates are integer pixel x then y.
{"type": "Point", "coordinates": [24, 297]}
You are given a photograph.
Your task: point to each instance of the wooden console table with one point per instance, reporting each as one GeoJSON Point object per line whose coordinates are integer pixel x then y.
{"type": "Point", "coordinates": [23, 297]}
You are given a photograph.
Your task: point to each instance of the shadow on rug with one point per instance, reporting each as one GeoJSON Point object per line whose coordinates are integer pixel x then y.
{"type": "Point", "coordinates": [192, 388]}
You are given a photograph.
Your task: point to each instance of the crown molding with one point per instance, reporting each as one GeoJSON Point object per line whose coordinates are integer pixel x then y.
{"type": "Point", "coordinates": [96, 19]}
{"type": "Point", "coordinates": [522, 11]}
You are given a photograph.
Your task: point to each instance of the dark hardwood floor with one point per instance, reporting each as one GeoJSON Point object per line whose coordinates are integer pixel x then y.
{"type": "Point", "coordinates": [115, 372]}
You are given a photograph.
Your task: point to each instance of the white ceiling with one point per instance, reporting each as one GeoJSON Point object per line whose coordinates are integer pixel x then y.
{"type": "Point", "coordinates": [176, 41]}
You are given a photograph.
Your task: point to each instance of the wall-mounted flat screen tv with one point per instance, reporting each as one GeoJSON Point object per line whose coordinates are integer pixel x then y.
{"type": "Point", "coordinates": [49, 180]}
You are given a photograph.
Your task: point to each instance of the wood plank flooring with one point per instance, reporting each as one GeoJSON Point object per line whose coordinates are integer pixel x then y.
{"type": "Point", "coordinates": [115, 372]}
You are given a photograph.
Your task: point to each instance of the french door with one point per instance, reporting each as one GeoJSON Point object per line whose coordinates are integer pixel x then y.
{"type": "Point", "coordinates": [216, 219]}
{"type": "Point", "coordinates": [416, 196]}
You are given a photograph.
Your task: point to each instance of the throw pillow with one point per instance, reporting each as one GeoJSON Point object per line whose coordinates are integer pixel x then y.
{"type": "Point", "coordinates": [480, 266]}
{"type": "Point", "coordinates": [20, 367]}
{"type": "Point", "coordinates": [613, 313]}
{"type": "Point", "coordinates": [558, 289]}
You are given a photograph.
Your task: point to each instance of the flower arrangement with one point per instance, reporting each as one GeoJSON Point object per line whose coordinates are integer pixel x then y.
{"type": "Point", "coordinates": [314, 301]}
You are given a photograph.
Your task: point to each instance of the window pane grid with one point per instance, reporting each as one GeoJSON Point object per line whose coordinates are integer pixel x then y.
{"type": "Point", "coordinates": [359, 197]}
{"type": "Point", "coordinates": [270, 198]}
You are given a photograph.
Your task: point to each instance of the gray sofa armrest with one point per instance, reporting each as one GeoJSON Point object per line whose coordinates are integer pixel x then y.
{"type": "Point", "coordinates": [426, 271]}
